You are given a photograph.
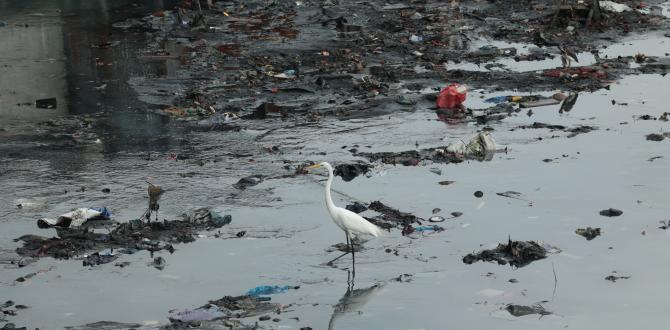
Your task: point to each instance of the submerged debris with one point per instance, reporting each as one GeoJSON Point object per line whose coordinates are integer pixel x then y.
{"type": "Point", "coordinates": [611, 212]}
{"type": "Point", "coordinates": [349, 172]}
{"type": "Point", "coordinates": [574, 131]}
{"type": "Point", "coordinates": [481, 148]}
{"type": "Point", "coordinates": [248, 181]}
{"type": "Point", "coordinates": [613, 278]}
{"type": "Point", "coordinates": [520, 310]}
{"type": "Point", "coordinates": [657, 136]}
{"type": "Point", "coordinates": [588, 232]}
{"type": "Point", "coordinates": [97, 258]}
{"type": "Point", "coordinates": [391, 217]}
{"type": "Point", "coordinates": [356, 207]}
{"type": "Point", "coordinates": [516, 253]}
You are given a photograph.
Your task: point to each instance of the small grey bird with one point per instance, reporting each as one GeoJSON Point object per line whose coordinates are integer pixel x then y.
{"type": "Point", "coordinates": [567, 56]}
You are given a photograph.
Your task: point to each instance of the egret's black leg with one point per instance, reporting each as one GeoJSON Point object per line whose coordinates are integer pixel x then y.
{"type": "Point", "coordinates": [353, 260]}
{"type": "Point", "coordinates": [330, 263]}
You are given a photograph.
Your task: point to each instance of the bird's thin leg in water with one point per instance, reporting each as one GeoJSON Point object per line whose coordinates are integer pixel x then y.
{"type": "Point", "coordinates": [330, 263]}
{"type": "Point", "coordinates": [353, 260]}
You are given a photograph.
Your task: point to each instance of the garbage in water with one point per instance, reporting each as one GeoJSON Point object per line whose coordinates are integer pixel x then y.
{"type": "Point", "coordinates": [588, 232]}
{"type": "Point", "coordinates": [132, 235]}
{"type": "Point", "coordinates": [516, 253]}
{"type": "Point", "coordinates": [452, 96]}
{"type": "Point", "coordinates": [264, 290]}
{"type": "Point", "coordinates": [520, 310]}
{"type": "Point", "coordinates": [657, 136]}
{"type": "Point", "coordinates": [390, 217]}
{"type": "Point", "coordinates": [331, 77]}
{"type": "Point", "coordinates": [356, 207]}
{"type": "Point", "coordinates": [219, 220]}
{"type": "Point", "coordinates": [480, 145]}
{"type": "Point", "coordinates": [350, 171]}
{"type": "Point", "coordinates": [408, 230]}
{"type": "Point", "coordinates": [50, 103]}
{"type": "Point", "coordinates": [615, 277]}
{"type": "Point", "coordinates": [209, 313]}
{"type": "Point", "coordinates": [158, 263]}
{"type": "Point", "coordinates": [436, 218]}
{"type": "Point", "coordinates": [249, 181]}
{"type": "Point", "coordinates": [614, 6]}
{"type": "Point", "coordinates": [611, 212]}
{"type": "Point", "coordinates": [75, 218]}
{"type": "Point", "coordinates": [568, 103]}
{"type": "Point", "coordinates": [99, 258]}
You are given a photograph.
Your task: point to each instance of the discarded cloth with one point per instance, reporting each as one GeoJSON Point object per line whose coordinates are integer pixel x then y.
{"type": "Point", "coordinates": [479, 145]}
{"type": "Point", "coordinates": [75, 218]}
{"type": "Point", "coordinates": [210, 313]}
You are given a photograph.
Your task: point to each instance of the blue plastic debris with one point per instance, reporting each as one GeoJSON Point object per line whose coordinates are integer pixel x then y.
{"type": "Point", "coordinates": [266, 290]}
{"type": "Point", "coordinates": [220, 220]}
{"type": "Point", "coordinates": [104, 212]}
{"type": "Point", "coordinates": [427, 228]}
{"type": "Point", "coordinates": [497, 99]}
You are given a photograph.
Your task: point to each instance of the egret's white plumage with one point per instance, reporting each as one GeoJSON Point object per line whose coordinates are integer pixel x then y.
{"type": "Point", "coordinates": [350, 222]}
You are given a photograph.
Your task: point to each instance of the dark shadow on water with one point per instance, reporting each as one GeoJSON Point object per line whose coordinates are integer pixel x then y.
{"type": "Point", "coordinates": [95, 77]}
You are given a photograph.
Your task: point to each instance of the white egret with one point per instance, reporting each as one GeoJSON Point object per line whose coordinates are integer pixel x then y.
{"type": "Point", "coordinates": [350, 222]}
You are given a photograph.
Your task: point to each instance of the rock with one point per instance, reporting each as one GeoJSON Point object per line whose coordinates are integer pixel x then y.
{"type": "Point", "coordinates": [264, 318]}
{"type": "Point", "coordinates": [456, 214]}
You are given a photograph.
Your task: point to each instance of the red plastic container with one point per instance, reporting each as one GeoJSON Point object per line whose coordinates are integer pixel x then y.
{"type": "Point", "coordinates": [452, 96]}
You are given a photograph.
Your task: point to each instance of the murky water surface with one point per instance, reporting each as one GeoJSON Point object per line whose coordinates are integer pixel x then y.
{"type": "Point", "coordinates": [289, 229]}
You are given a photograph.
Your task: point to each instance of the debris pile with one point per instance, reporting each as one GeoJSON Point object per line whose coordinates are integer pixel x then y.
{"type": "Point", "coordinates": [126, 237]}
{"type": "Point", "coordinates": [516, 253]}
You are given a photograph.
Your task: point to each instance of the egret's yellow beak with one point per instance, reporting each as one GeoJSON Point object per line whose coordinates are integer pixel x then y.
{"type": "Point", "coordinates": [314, 166]}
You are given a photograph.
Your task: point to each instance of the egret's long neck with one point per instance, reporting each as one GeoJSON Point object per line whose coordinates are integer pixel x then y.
{"type": "Point", "coordinates": [329, 200]}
